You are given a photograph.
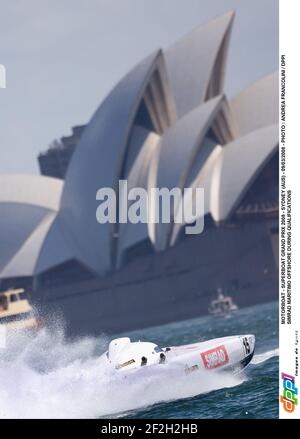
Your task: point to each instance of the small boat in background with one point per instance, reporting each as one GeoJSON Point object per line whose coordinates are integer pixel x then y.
{"type": "Point", "coordinates": [222, 306]}
{"type": "Point", "coordinates": [16, 313]}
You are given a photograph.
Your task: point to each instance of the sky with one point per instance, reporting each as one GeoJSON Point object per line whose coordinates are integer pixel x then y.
{"type": "Point", "coordinates": [63, 56]}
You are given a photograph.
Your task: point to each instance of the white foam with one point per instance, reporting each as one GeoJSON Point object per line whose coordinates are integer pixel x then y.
{"type": "Point", "coordinates": [47, 377]}
{"type": "Point", "coordinates": [261, 358]}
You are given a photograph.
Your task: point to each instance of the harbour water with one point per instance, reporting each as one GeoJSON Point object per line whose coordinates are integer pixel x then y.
{"type": "Point", "coordinates": [255, 396]}
{"type": "Point", "coordinates": [47, 376]}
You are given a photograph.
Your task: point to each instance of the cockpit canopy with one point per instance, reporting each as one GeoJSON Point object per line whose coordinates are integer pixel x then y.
{"type": "Point", "coordinates": [122, 353]}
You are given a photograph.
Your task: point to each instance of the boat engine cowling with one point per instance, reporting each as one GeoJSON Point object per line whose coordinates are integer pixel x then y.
{"type": "Point", "coordinates": [115, 347]}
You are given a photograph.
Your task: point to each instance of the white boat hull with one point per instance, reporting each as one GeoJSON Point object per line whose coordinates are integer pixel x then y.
{"type": "Point", "coordinates": [229, 353]}
{"type": "Point", "coordinates": [221, 354]}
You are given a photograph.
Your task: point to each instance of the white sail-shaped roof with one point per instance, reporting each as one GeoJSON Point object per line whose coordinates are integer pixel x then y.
{"type": "Point", "coordinates": [130, 234]}
{"type": "Point", "coordinates": [34, 190]}
{"type": "Point", "coordinates": [98, 161]}
{"type": "Point", "coordinates": [237, 167]}
{"type": "Point", "coordinates": [179, 147]}
{"type": "Point", "coordinates": [25, 204]}
{"type": "Point", "coordinates": [45, 248]}
{"type": "Point", "coordinates": [24, 260]}
{"type": "Point", "coordinates": [203, 180]}
{"type": "Point", "coordinates": [196, 63]}
{"type": "Point", "coordinates": [257, 105]}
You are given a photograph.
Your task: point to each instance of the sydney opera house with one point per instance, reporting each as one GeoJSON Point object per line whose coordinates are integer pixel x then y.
{"type": "Point", "coordinates": [167, 123]}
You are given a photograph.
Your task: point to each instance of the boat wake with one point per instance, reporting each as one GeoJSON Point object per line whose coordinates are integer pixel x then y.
{"type": "Point", "coordinates": [261, 358]}
{"type": "Point", "coordinates": [47, 377]}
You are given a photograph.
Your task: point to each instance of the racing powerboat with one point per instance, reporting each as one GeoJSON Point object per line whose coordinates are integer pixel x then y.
{"type": "Point", "coordinates": [225, 354]}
